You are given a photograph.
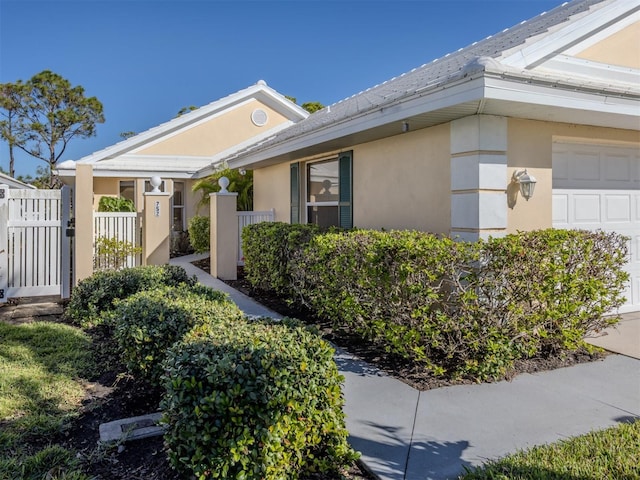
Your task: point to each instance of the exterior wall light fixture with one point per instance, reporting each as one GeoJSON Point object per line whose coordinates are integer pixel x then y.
{"type": "Point", "coordinates": [405, 127]}
{"type": "Point", "coordinates": [526, 182]}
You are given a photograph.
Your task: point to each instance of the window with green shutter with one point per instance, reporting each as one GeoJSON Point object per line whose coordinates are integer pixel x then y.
{"type": "Point", "coordinates": [345, 205]}
{"type": "Point", "coordinates": [329, 192]}
{"type": "Point", "coordinates": [295, 193]}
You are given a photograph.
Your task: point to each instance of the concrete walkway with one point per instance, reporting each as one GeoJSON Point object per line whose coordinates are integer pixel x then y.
{"type": "Point", "coordinates": [405, 434]}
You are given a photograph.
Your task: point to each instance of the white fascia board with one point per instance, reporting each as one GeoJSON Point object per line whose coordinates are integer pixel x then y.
{"type": "Point", "coordinates": [281, 104]}
{"type": "Point", "coordinates": [462, 91]}
{"type": "Point", "coordinates": [574, 32]}
{"type": "Point", "coordinates": [128, 174]}
{"type": "Point", "coordinates": [571, 66]}
{"type": "Point", "coordinates": [548, 95]}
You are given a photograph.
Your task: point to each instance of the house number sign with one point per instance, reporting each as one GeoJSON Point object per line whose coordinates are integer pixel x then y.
{"type": "Point", "coordinates": [156, 209]}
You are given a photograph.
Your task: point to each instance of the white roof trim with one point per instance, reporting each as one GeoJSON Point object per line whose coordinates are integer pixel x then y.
{"type": "Point", "coordinates": [591, 70]}
{"type": "Point", "coordinates": [603, 34]}
{"type": "Point", "coordinates": [599, 17]}
{"type": "Point", "coordinates": [260, 90]}
{"type": "Point", "coordinates": [179, 131]}
{"type": "Point", "coordinates": [14, 183]}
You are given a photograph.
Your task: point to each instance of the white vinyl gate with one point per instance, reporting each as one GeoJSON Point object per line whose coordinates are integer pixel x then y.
{"type": "Point", "coordinates": [121, 226]}
{"type": "Point", "coordinates": [35, 251]}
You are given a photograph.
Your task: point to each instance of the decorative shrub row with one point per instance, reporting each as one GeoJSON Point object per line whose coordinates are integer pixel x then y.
{"type": "Point", "coordinates": [256, 400]}
{"type": "Point", "coordinates": [149, 322]}
{"type": "Point", "coordinates": [95, 295]}
{"type": "Point", "coordinates": [244, 399]}
{"type": "Point", "coordinates": [456, 308]}
{"type": "Point", "coordinates": [268, 249]}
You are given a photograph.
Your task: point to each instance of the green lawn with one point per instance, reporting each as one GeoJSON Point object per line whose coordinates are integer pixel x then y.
{"type": "Point", "coordinates": [41, 365]}
{"type": "Point", "coordinates": [612, 454]}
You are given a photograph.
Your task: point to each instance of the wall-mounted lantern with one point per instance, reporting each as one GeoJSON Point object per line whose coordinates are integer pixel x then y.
{"type": "Point", "coordinates": [526, 182]}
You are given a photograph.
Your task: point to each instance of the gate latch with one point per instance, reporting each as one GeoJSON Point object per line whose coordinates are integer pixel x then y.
{"type": "Point", "coordinates": [71, 228]}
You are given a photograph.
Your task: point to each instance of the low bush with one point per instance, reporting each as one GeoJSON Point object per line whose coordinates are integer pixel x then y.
{"type": "Point", "coordinates": [112, 254]}
{"type": "Point", "coordinates": [259, 400]}
{"type": "Point", "coordinates": [147, 323]}
{"type": "Point", "coordinates": [116, 204]}
{"type": "Point", "coordinates": [464, 309]}
{"type": "Point", "coordinates": [268, 249]}
{"type": "Point", "coordinates": [95, 295]}
{"type": "Point", "coordinates": [199, 236]}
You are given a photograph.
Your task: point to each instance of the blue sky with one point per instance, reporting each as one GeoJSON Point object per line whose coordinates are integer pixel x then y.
{"type": "Point", "coordinates": [145, 60]}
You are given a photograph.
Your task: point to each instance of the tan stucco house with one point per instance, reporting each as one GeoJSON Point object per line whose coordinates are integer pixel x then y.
{"type": "Point", "coordinates": [437, 148]}
{"type": "Point", "coordinates": [185, 149]}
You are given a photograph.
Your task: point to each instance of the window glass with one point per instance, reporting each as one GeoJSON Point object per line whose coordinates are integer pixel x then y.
{"type": "Point", "coordinates": [178, 206]}
{"type": "Point", "coordinates": [128, 190]}
{"type": "Point", "coordinates": [322, 182]}
{"type": "Point", "coordinates": [323, 193]}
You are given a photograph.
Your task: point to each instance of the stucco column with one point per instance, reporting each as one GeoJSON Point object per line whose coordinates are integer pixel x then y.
{"type": "Point", "coordinates": [224, 235]}
{"type": "Point", "coordinates": [156, 228]}
{"type": "Point", "coordinates": [83, 214]}
{"type": "Point", "coordinates": [479, 177]}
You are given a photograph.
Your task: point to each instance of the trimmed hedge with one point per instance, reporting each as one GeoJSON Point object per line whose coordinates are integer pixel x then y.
{"type": "Point", "coordinates": [268, 249]}
{"type": "Point", "coordinates": [149, 322]}
{"type": "Point", "coordinates": [460, 309]}
{"type": "Point", "coordinates": [199, 236]}
{"type": "Point", "coordinates": [95, 295]}
{"type": "Point", "coordinates": [259, 400]}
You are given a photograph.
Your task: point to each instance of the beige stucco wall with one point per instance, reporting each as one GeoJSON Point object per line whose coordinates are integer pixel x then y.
{"type": "Point", "coordinates": [271, 190]}
{"type": "Point", "coordinates": [403, 182]}
{"type": "Point", "coordinates": [621, 48]}
{"type": "Point", "coordinates": [530, 145]}
{"type": "Point", "coordinates": [104, 187]}
{"type": "Point", "coordinates": [218, 134]}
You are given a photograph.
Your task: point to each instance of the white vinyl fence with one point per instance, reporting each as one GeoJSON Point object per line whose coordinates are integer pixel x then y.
{"type": "Point", "coordinates": [248, 218]}
{"type": "Point", "coordinates": [34, 248]}
{"type": "Point", "coordinates": [120, 226]}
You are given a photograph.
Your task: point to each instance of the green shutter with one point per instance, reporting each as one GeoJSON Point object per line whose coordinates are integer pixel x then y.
{"type": "Point", "coordinates": [345, 205]}
{"type": "Point", "coordinates": [295, 193]}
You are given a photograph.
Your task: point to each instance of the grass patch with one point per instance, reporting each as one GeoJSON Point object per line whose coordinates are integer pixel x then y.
{"type": "Point", "coordinates": [609, 454]}
{"type": "Point", "coordinates": [41, 365]}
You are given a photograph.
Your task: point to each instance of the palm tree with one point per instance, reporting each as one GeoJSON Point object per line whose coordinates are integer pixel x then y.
{"type": "Point", "coordinates": [240, 182]}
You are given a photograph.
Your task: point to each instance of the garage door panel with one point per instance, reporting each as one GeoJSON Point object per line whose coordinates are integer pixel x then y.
{"type": "Point", "coordinates": [586, 209]}
{"type": "Point", "coordinates": [560, 209]}
{"type": "Point", "coordinates": [585, 166]}
{"type": "Point", "coordinates": [617, 208]}
{"type": "Point", "coordinates": [618, 169]}
{"type": "Point", "coordinates": [598, 187]}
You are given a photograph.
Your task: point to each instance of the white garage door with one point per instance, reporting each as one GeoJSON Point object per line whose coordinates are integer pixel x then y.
{"type": "Point", "coordinates": [598, 187]}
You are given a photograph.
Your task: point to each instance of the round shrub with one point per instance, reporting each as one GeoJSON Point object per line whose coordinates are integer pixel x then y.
{"type": "Point", "coordinates": [95, 295]}
{"type": "Point", "coordinates": [147, 323]}
{"type": "Point", "coordinates": [258, 400]}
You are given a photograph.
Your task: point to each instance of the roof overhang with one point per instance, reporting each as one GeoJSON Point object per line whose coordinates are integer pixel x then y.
{"type": "Point", "coordinates": [492, 93]}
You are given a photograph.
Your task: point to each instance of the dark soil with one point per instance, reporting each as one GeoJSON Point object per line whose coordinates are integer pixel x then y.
{"type": "Point", "coordinates": [392, 365]}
